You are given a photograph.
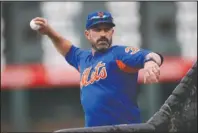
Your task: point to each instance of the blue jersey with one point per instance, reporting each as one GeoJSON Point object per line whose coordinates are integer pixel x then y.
{"type": "Point", "coordinates": [108, 83]}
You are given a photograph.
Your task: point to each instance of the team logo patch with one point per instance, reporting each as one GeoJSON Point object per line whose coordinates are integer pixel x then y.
{"type": "Point", "coordinates": [98, 73]}
{"type": "Point", "coordinates": [131, 50]}
{"type": "Point", "coordinates": [100, 14]}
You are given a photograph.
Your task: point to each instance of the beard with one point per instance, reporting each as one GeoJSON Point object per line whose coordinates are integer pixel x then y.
{"type": "Point", "coordinates": [102, 44]}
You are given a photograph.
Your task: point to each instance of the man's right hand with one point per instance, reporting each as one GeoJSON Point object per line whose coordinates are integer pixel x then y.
{"type": "Point", "coordinates": [44, 26]}
{"type": "Point", "coordinates": [62, 45]}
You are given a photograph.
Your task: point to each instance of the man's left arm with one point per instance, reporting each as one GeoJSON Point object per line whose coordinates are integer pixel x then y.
{"type": "Point", "coordinates": [135, 59]}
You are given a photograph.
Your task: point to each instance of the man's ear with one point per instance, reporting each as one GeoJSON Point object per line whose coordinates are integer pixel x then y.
{"type": "Point", "coordinates": [87, 34]}
{"type": "Point", "coordinates": [112, 31]}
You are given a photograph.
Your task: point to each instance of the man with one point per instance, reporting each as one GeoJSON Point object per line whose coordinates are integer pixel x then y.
{"type": "Point", "coordinates": [108, 73]}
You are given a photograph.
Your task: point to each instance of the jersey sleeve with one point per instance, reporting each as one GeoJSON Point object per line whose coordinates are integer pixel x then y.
{"type": "Point", "coordinates": [131, 56]}
{"type": "Point", "coordinates": [73, 56]}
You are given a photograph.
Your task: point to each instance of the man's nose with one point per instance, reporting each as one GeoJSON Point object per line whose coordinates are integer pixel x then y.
{"type": "Point", "coordinates": [102, 33]}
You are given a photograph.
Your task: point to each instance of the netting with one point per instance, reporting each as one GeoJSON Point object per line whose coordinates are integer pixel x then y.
{"type": "Point", "coordinates": [178, 113]}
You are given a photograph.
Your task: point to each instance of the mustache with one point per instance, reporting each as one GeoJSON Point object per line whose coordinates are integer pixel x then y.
{"type": "Point", "coordinates": [103, 39]}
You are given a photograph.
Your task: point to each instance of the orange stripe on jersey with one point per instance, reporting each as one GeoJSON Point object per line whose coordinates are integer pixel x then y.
{"type": "Point", "coordinates": [126, 68]}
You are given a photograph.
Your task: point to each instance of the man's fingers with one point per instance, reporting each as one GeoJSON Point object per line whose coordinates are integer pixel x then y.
{"type": "Point", "coordinates": [151, 75]}
{"type": "Point", "coordinates": [40, 19]}
{"type": "Point", "coordinates": [39, 23]}
{"type": "Point", "coordinates": [146, 75]}
{"type": "Point", "coordinates": [156, 70]}
{"type": "Point", "coordinates": [152, 72]}
{"type": "Point", "coordinates": [44, 26]}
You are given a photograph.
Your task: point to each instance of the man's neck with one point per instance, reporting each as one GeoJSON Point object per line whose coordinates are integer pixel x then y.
{"type": "Point", "coordinates": [93, 51]}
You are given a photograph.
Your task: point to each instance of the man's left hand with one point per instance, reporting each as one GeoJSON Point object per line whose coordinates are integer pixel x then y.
{"type": "Point", "coordinates": [151, 72]}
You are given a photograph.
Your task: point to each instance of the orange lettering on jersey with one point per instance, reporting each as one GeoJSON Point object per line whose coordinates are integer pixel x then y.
{"type": "Point", "coordinates": [93, 77]}
{"type": "Point", "coordinates": [133, 50]}
{"type": "Point", "coordinates": [85, 75]}
{"type": "Point", "coordinates": [103, 73]}
{"type": "Point", "coordinates": [98, 73]}
{"type": "Point", "coordinates": [98, 66]}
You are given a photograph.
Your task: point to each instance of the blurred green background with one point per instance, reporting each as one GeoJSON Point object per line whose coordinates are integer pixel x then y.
{"type": "Point", "coordinates": [169, 28]}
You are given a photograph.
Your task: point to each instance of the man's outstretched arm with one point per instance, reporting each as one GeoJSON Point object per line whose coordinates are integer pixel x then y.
{"type": "Point", "coordinates": [61, 44]}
